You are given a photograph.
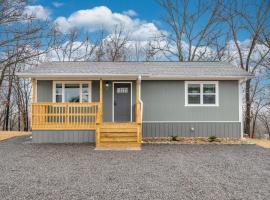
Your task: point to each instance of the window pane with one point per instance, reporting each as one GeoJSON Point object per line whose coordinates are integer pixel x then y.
{"type": "Point", "coordinates": [72, 92]}
{"type": "Point", "coordinates": [209, 99]}
{"type": "Point", "coordinates": [193, 99]}
{"type": "Point", "coordinates": [85, 98]}
{"type": "Point", "coordinates": [209, 88]}
{"type": "Point", "coordinates": [84, 88]}
{"type": "Point", "coordinates": [58, 98]}
{"type": "Point", "coordinates": [193, 88]}
{"type": "Point", "coordinates": [58, 89]}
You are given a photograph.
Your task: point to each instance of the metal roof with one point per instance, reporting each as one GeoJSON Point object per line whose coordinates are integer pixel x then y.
{"type": "Point", "coordinates": [182, 70]}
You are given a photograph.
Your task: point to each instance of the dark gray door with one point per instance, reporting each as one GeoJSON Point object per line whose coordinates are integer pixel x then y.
{"type": "Point", "coordinates": [122, 102]}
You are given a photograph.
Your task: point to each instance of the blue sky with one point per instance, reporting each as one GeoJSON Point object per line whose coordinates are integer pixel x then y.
{"type": "Point", "coordinates": [146, 9]}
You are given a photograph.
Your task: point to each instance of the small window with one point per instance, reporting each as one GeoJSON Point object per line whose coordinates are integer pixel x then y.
{"type": "Point", "coordinates": [201, 93]}
{"type": "Point", "coordinates": [122, 90]}
{"type": "Point", "coordinates": [58, 93]}
{"type": "Point", "coordinates": [72, 92]}
{"type": "Point", "coordinates": [85, 92]}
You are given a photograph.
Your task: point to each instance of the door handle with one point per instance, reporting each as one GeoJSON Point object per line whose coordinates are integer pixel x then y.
{"type": "Point", "coordinates": [115, 103]}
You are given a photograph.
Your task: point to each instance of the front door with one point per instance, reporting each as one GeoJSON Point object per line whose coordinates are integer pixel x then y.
{"type": "Point", "coordinates": [122, 102]}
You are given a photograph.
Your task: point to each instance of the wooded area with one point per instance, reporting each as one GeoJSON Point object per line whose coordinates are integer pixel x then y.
{"type": "Point", "coordinates": [26, 41]}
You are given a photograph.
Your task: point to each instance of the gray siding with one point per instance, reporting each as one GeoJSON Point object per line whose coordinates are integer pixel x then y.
{"type": "Point", "coordinates": [165, 101]}
{"type": "Point", "coordinates": [45, 88]}
{"type": "Point", "coordinates": [44, 91]}
{"type": "Point", "coordinates": [184, 129]}
{"type": "Point", "coordinates": [62, 136]}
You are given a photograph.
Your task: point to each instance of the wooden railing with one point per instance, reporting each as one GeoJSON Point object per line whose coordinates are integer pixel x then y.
{"type": "Point", "coordinates": [65, 116]}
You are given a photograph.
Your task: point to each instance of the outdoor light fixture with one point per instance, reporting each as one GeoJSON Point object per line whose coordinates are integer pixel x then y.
{"type": "Point", "coordinates": [107, 84]}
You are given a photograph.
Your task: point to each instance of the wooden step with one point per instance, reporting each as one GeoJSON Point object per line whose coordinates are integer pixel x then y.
{"type": "Point", "coordinates": [118, 144]}
{"type": "Point", "coordinates": [129, 134]}
{"type": "Point", "coordinates": [117, 130]}
{"type": "Point", "coordinates": [118, 135]}
{"type": "Point", "coordinates": [118, 139]}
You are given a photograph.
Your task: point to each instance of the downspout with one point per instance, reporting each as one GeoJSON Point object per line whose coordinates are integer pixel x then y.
{"type": "Point", "coordinates": [140, 100]}
{"type": "Point", "coordinates": [240, 93]}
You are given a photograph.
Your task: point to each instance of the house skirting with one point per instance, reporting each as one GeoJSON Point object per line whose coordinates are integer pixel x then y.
{"type": "Point", "coordinates": [63, 136]}
{"type": "Point", "coordinates": [192, 129]}
{"type": "Point", "coordinates": [149, 129]}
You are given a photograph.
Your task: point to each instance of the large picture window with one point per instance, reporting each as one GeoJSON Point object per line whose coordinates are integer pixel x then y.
{"type": "Point", "coordinates": [72, 92]}
{"type": "Point", "coordinates": [201, 93]}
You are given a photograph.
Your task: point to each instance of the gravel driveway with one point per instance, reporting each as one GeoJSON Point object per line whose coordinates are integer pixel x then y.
{"type": "Point", "coordinates": [43, 171]}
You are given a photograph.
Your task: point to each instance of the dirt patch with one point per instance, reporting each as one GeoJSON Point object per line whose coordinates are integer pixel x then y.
{"type": "Point", "coordinates": [10, 134]}
{"type": "Point", "coordinates": [193, 140]}
{"type": "Point", "coordinates": [260, 142]}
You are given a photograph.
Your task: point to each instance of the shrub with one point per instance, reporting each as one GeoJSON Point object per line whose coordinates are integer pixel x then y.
{"type": "Point", "coordinates": [174, 138]}
{"type": "Point", "coordinates": [212, 138]}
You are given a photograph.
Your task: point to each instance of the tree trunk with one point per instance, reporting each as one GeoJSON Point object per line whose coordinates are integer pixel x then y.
{"type": "Point", "coordinates": [248, 109]}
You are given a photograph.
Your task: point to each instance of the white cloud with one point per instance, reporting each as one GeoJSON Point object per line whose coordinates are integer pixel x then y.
{"type": "Point", "coordinates": [57, 4]}
{"type": "Point", "coordinates": [103, 18]}
{"type": "Point", "coordinates": [37, 12]}
{"type": "Point", "coordinates": [130, 13]}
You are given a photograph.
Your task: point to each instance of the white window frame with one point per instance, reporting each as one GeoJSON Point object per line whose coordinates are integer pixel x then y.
{"type": "Point", "coordinates": [72, 82]}
{"type": "Point", "coordinates": [201, 83]}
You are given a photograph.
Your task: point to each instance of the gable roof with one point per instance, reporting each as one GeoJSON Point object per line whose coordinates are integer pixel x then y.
{"type": "Point", "coordinates": [148, 70]}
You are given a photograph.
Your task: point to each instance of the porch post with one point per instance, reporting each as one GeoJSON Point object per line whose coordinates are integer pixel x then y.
{"type": "Point", "coordinates": [138, 105]}
{"type": "Point", "coordinates": [34, 98]}
{"type": "Point", "coordinates": [34, 90]}
{"type": "Point", "coordinates": [101, 100]}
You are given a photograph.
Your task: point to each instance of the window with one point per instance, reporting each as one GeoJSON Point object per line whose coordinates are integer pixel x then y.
{"type": "Point", "coordinates": [58, 93]}
{"type": "Point", "coordinates": [72, 91]}
{"type": "Point", "coordinates": [201, 93]}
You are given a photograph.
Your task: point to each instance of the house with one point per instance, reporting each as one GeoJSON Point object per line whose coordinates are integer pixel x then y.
{"type": "Point", "coordinates": [115, 104]}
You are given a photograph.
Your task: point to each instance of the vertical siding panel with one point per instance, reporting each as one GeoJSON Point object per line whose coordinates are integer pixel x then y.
{"type": "Point", "coordinates": [202, 129]}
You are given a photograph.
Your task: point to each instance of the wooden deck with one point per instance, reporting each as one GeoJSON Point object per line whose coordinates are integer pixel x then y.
{"type": "Point", "coordinates": [87, 116]}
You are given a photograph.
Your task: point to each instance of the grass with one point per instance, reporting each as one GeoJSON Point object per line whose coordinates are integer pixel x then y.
{"type": "Point", "coordinates": [10, 134]}
{"type": "Point", "coordinates": [260, 142]}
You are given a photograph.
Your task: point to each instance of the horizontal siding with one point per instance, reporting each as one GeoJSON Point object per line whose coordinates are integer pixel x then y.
{"type": "Point", "coordinates": [165, 101]}
{"type": "Point", "coordinates": [44, 91]}
{"type": "Point", "coordinates": [63, 136]}
{"type": "Point", "coordinates": [183, 129]}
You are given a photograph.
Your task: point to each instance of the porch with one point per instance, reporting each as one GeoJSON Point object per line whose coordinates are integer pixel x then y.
{"type": "Point", "coordinates": [53, 116]}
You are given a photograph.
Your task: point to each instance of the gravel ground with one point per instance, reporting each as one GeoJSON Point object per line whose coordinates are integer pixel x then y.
{"type": "Point", "coordinates": [46, 171]}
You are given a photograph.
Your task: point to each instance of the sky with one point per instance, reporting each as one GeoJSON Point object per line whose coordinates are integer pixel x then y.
{"type": "Point", "coordinates": [142, 12]}
{"type": "Point", "coordinates": [142, 18]}
{"type": "Point", "coordinates": [146, 9]}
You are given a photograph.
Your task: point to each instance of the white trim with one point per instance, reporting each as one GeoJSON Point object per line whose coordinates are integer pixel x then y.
{"type": "Point", "coordinates": [190, 121]}
{"type": "Point", "coordinates": [201, 83]}
{"type": "Point", "coordinates": [130, 98]}
{"type": "Point", "coordinates": [140, 95]}
{"type": "Point", "coordinates": [75, 76]}
{"type": "Point", "coordinates": [240, 94]}
{"type": "Point", "coordinates": [71, 82]}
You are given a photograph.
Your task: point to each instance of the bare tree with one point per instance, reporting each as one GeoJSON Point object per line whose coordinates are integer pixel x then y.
{"type": "Point", "coordinates": [115, 45]}
{"type": "Point", "coordinates": [21, 43]}
{"type": "Point", "coordinates": [191, 38]}
{"type": "Point", "coordinates": [251, 56]}
{"type": "Point", "coordinates": [72, 46]}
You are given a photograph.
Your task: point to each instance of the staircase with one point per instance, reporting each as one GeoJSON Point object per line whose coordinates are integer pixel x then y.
{"type": "Point", "coordinates": [118, 136]}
